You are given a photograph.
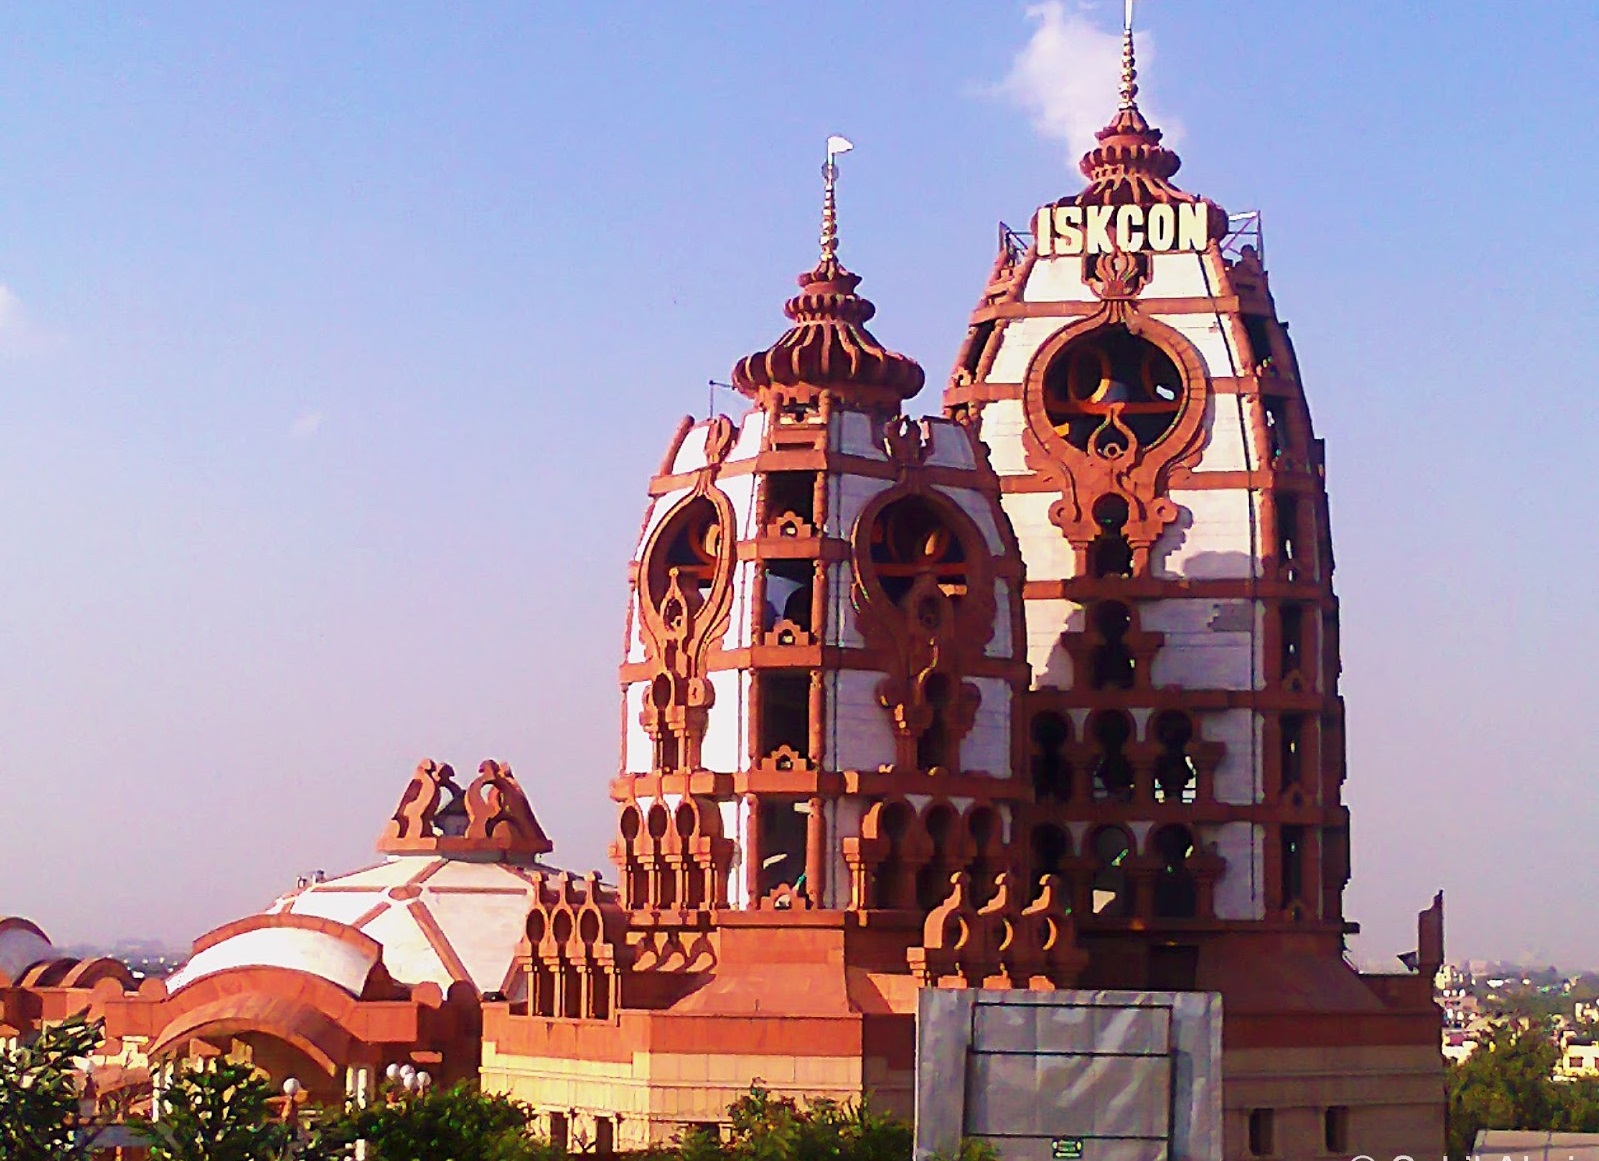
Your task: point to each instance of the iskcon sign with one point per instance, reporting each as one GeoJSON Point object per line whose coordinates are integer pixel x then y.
{"type": "Point", "coordinates": [1069, 230]}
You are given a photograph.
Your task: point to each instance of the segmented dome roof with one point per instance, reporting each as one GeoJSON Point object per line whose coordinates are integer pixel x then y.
{"type": "Point", "coordinates": [829, 346]}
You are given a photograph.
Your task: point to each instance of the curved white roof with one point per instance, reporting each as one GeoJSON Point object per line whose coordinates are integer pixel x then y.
{"type": "Point", "coordinates": [340, 961]}
{"type": "Point", "coordinates": [21, 946]}
{"type": "Point", "coordinates": [439, 920]}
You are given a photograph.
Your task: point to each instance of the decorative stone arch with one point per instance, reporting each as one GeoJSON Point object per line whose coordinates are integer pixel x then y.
{"type": "Point", "coordinates": [950, 849]}
{"type": "Point", "coordinates": [976, 612]}
{"type": "Point", "coordinates": [1049, 852]}
{"type": "Point", "coordinates": [574, 951]}
{"type": "Point", "coordinates": [679, 628]}
{"type": "Point", "coordinates": [672, 856]}
{"type": "Point", "coordinates": [1141, 475]}
{"type": "Point", "coordinates": [1111, 891]}
{"type": "Point", "coordinates": [311, 1032]}
{"type": "Point", "coordinates": [927, 638]}
{"type": "Point", "coordinates": [884, 860]}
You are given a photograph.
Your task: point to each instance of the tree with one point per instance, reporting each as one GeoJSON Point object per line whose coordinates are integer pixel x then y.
{"type": "Point", "coordinates": [453, 1124]}
{"type": "Point", "coordinates": [1508, 1083]}
{"type": "Point", "coordinates": [772, 1128]}
{"type": "Point", "coordinates": [223, 1112]}
{"type": "Point", "coordinates": [40, 1090]}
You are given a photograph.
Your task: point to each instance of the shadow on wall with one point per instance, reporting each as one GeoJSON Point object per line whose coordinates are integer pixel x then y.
{"type": "Point", "coordinates": [1168, 563]}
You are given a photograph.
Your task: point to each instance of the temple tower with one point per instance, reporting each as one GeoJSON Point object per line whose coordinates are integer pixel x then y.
{"type": "Point", "coordinates": [824, 639]}
{"type": "Point", "coordinates": [1143, 409]}
{"type": "Point", "coordinates": [816, 800]}
{"type": "Point", "coordinates": [1183, 736]}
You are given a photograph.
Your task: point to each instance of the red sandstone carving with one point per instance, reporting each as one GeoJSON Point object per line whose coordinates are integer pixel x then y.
{"type": "Point", "coordinates": [1002, 943]}
{"type": "Point", "coordinates": [491, 817]}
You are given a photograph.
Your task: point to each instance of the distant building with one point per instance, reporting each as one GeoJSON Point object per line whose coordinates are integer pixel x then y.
{"type": "Point", "coordinates": [41, 984]}
{"type": "Point", "coordinates": [1579, 1059]}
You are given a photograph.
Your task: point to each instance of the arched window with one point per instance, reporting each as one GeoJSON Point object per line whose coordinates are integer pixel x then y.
{"type": "Point", "coordinates": [932, 747]}
{"type": "Point", "coordinates": [1292, 840]}
{"type": "Point", "coordinates": [782, 852]}
{"type": "Point", "coordinates": [888, 875]}
{"type": "Point", "coordinates": [982, 827]}
{"type": "Point", "coordinates": [1113, 664]}
{"type": "Point", "coordinates": [1291, 622]}
{"type": "Point", "coordinates": [1110, 554]}
{"type": "Point", "coordinates": [634, 877]}
{"type": "Point", "coordinates": [1052, 770]}
{"type": "Point", "coordinates": [1176, 777]}
{"type": "Point", "coordinates": [668, 747]}
{"type": "Point", "coordinates": [1175, 894]}
{"type": "Point", "coordinates": [658, 822]}
{"type": "Point", "coordinates": [684, 822]}
{"type": "Point", "coordinates": [932, 881]}
{"type": "Point", "coordinates": [1113, 770]}
{"type": "Point", "coordinates": [1106, 391]}
{"type": "Point", "coordinates": [909, 538]}
{"type": "Point", "coordinates": [1051, 846]}
{"type": "Point", "coordinates": [1278, 437]}
{"type": "Point", "coordinates": [1112, 891]}
{"type": "Point", "coordinates": [790, 585]}
{"type": "Point", "coordinates": [690, 546]}
{"type": "Point", "coordinates": [1291, 746]}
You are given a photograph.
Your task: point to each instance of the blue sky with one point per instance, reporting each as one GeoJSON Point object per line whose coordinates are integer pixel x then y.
{"type": "Point", "coordinates": [337, 344]}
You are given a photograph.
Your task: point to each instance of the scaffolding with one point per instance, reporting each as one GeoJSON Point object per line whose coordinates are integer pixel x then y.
{"type": "Point", "coordinates": [1244, 230]}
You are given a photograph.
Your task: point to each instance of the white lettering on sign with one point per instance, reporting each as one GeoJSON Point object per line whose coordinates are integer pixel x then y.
{"type": "Point", "coordinates": [1071, 230]}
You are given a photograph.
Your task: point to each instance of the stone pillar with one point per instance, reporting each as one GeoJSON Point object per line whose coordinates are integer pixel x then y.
{"type": "Point", "coordinates": [816, 854]}
{"type": "Point", "coordinates": [752, 853]}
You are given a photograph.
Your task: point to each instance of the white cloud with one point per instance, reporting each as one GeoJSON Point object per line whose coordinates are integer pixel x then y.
{"type": "Point", "coordinates": [1067, 76]}
{"type": "Point", "coordinates": [306, 425]}
{"type": "Point", "coordinates": [10, 310]}
{"type": "Point", "coordinates": [20, 336]}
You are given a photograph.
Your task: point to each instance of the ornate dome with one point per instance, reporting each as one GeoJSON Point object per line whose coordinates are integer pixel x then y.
{"type": "Point", "coordinates": [829, 348]}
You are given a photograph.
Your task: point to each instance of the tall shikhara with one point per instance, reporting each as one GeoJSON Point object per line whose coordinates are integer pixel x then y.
{"type": "Point", "coordinates": [1184, 732]}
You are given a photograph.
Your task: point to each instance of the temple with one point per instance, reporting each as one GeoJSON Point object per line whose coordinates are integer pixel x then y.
{"type": "Point", "coordinates": [1040, 693]}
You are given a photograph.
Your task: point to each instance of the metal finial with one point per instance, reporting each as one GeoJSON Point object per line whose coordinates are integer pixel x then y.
{"type": "Point", "coordinates": [835, 146]}
{"type": "Point", "coordinates": [1129, 68]}
{"type": "Point", "coordinates": [829, 211]}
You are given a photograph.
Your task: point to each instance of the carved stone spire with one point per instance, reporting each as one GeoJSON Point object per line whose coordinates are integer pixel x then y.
{"type": "Point", "coordinates": [829, 348]}
{"type": "Point", "coordinates": [1129, 67]}
{"type": "Point", "coordinates": [1130, 166]}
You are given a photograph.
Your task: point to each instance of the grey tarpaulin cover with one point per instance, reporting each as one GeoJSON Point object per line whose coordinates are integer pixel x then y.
{"type": "Point", "coordinates": [1051, 1076]}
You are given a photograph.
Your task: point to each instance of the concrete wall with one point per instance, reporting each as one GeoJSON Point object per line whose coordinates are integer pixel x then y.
{"type": "Point", "coordinates": [859, 736]}
{"type": "Point", "coordinates": [1394, 1094]}
{"type": "Point", "coordinates": [987, 747]}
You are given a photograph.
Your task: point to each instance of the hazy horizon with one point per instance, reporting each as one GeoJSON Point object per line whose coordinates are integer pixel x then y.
{"type": "Point", "coordinates": [337, 347]}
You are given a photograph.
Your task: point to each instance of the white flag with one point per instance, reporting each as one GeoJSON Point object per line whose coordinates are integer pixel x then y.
{"type": "Point", "coordinates": [837, 145]}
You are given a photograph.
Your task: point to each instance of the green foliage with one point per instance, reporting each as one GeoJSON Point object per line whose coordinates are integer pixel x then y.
{"type": "Point", "coordinates": [223, 1113]}
{"type": "Point", "coordinates": [970, 1150]}
{"type": "Point", "coordinates": [226, 1112]}
{"type": "Point", "coordinates": [453, 1124]}
{"type": "Point", "coordinates": [1508, 1083]}
{"type": "Point", "coordinates": [39, 1091]}
{"type": "Point", "coordinates": [772, 1128]}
